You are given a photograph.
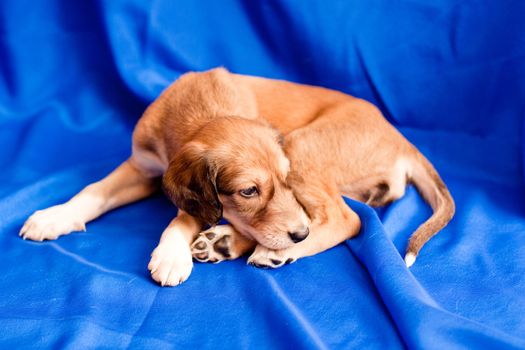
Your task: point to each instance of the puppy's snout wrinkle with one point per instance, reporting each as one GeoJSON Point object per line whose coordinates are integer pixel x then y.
{"type": "Point", "coordinates": [298, 236]}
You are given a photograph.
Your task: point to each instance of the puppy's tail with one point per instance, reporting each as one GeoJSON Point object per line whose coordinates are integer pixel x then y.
{"type": "Point", "coordinates": [433, 190]}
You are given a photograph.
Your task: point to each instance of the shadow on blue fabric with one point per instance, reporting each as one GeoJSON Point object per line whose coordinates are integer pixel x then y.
{"type": "Point", "coordinates": [450, 75]}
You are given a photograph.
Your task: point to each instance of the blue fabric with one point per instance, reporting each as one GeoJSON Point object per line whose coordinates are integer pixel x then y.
{"type": "Point", "coordinates": [75, 77]}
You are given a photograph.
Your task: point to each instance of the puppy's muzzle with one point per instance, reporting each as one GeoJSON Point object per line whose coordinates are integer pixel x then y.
{"type": "Point", "coordinates": [298, 236]}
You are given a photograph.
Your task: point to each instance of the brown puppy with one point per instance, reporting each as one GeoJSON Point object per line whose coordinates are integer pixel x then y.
{"type": "Point", "coordinates": [217, 157]}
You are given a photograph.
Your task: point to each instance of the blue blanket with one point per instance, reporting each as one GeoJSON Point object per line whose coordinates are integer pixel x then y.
{"type": "Point", "coordinates": [450, 75]}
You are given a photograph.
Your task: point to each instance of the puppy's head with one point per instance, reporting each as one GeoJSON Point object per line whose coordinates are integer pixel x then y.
{"type": "Point", "coordinates": [236, 168]}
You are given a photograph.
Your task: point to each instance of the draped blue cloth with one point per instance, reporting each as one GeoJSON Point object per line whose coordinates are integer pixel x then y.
{"type": "Point", "coordinates": [450, 75]}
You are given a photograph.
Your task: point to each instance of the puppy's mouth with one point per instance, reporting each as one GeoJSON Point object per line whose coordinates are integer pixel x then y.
{"type": "Point", "coordinates": [270, 238]}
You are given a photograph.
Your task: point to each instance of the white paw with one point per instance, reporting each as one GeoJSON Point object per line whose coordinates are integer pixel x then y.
{"type": "Point", "coordinates": [265, 258]}
{"type": "Point", "coordinates": [171, 263]}
{"type": "Point", "coordinates": [51, 223]}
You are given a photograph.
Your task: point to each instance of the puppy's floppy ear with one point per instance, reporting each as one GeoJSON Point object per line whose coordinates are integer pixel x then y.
{"type": "Point", "coordinates": [191, 183]}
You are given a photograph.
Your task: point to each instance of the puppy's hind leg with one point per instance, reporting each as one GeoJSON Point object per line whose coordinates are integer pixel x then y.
{"type": "Point", "coordinates": [126, 184]}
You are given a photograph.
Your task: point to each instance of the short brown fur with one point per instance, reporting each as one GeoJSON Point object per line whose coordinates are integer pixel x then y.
{"type": "Point", "coordinates": [214, 136]}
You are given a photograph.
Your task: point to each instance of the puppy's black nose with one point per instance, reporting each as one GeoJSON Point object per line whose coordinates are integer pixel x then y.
{"type": "Point", "coordinates": [299, 235]}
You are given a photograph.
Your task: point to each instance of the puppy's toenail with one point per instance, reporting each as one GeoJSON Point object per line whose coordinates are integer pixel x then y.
{"type": "Point", "coordinates": [289, 261]}
{"type": "Point", "coordinates": [259, 266]}
{"type": "Point", "coordinates": [200, 245]}
{"type": "Point", "coordinates": [210, 235]}
{"type": "Point", "coordinates": [276, 261]}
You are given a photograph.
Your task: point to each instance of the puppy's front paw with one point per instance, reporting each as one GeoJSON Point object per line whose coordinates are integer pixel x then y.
{"type": "Point", "coordinates": [266, 258]}
{"type": "Point", "coordinates": [51, 223]}
{"type": "Point", "coordinates": [171, 263]}
{"type": "Point", "coordinates": [219, 243]}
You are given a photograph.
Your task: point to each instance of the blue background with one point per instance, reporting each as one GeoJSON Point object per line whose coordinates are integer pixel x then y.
{"type": "Point", "coordinates": [76, 75]}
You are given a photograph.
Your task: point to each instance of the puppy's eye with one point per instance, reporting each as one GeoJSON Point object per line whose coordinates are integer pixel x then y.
{"type": "Point", "coordinates": [249, 192]}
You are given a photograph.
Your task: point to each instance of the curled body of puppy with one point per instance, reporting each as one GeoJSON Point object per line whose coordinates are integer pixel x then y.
{"type": "Point", "coordinates": [213, 164]}
{"type": "Point", "coordinates": [235, 168]}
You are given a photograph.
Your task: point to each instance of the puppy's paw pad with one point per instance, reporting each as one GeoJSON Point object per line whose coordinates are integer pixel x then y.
{"type": "Point", "coordinates": [213, 245]}
{"type": "Point", "coordinates": [51, 223]}
{"type": "Point", "coordinates": [170, 266]}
